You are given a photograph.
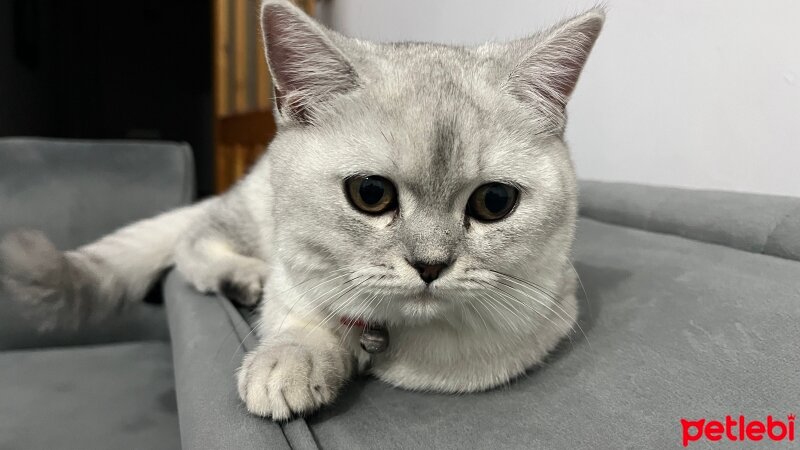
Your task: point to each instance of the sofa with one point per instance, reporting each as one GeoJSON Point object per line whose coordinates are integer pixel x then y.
{"type": "Point", "coordinates": [689, 309]}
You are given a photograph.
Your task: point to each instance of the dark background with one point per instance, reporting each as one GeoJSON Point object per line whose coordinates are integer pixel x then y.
{"type": "Point", "coordinates": [106, 69]}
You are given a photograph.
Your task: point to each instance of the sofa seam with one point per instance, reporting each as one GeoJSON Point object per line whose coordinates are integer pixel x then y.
{"type": "Point", "coordinates": [778, 223]}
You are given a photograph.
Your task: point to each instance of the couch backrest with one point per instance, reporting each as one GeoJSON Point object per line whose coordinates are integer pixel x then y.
{"type": "Point", "coordinates": [755, 223]}
{"type": "Point", "coordinates": [76, 191]}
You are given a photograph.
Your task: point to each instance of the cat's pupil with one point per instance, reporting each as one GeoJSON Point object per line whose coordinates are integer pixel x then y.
{"type": "Point", "coordinates": [496, 198]}
{"type": "Point", "coordinates": [371, 191]}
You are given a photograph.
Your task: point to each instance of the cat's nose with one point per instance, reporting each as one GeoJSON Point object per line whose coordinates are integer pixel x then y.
{"type": "Point", "coordinates": [428, 271]}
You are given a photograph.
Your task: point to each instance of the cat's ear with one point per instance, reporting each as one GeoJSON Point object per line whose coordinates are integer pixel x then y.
{"type": "Point", "coordinates": [307, 68]}
{"type": "Point", "coordinates": [553, 61]}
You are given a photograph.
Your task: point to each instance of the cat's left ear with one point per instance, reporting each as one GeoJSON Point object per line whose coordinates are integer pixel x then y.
{"type": "Point", "coordinates": [553, 61]}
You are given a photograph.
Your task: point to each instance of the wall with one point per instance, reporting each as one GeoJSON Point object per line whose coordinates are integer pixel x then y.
{"type": "Point", "coordinates": [702, 94]}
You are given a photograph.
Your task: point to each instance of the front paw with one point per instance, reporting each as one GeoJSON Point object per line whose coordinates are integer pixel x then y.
{"type": "Point", "coordinates": [287, 379]}
{"type": "Point", "coordinates": [243, 286]}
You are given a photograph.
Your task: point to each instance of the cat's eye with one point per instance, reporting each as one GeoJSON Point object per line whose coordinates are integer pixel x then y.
{"type": "Point", "coordinates": [372, 194]}
{"type": "Point", "coordinates": [492, 201]}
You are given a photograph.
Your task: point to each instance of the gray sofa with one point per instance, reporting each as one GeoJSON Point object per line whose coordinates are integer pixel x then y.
{"type": "Point", "coordinates": [691, 310]}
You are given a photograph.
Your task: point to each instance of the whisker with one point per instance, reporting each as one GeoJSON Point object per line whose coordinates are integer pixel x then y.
{"type": "Point", "coordinates": [539, 313]}
{"type": "Point", "coordinates": [350, 299]}
{"type": "Point", "coordinates": [493, 303]}
{"type": "Point", "coordinates": [585, 295]}
{"type": "Point", "coordinates": [325, 280]}
{"type": "Point", "coordinates": [302, 296]}
{"type": "Point", "coordinates": [555, 303]}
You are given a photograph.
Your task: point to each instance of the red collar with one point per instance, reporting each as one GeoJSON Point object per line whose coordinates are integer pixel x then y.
{"type": "Point", "coordinates": [355, 323]}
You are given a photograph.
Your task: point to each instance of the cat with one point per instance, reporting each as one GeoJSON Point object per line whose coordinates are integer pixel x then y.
{"type": "Point", "coordinates": [419, 189]}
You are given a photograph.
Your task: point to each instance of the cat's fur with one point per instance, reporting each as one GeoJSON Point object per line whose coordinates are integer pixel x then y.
{"type": "Point", "coordinates": [438, 121]}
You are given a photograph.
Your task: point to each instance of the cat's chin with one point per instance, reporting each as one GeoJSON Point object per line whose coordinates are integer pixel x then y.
{"type": "Point", "coordinates": [409, 310]}
{"type": "Point", "coordinates": [423, 307]}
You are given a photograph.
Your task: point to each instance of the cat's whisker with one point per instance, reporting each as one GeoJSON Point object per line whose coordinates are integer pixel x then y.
{"type": "Point", "coordinates": [554, 300]}
{"type": "Point", "coordinates": [327, 273]}
{"type": "Point", "coordinates": [350, 299]}
{"type": "Point", "coordinates": [573, 319]}
{"type": "Point", "coordinates": [519, 303]}
{"type": "Point", "coordinates": [302, 296]}
{"type": "Point", "coordinates": [349, 325]}
{"type": "Point", "coordinates": [366, 305]}
{"type": "Point", "coordinates": [477, 311]}
{"type": "Point", "coordinates": [493, 303]}
{"type": "Point", "coordinates": [469, 309]}
{"type": "Point", "coordinates": [324, 281]}
{"type": "Point", "coordinates": [550, 294]}
{"type": "Point", "coordinates": [241, 344]}
{"type": "Point", "coordinates": [343, 336]}
{"type": "Point", "coordinates": [348, 303]}
{"type": "Point", "coordinates": [352, 272]}
{"type": "Point", "coordinates": [580, 283]}
{"type": "Point", "coordinates": [568, 320]}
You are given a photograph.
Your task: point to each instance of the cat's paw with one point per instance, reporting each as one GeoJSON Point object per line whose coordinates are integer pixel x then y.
{"type": "Point", "coordinates": [287, 379]}
{"type": "Point", "coordinates": [243, 286]}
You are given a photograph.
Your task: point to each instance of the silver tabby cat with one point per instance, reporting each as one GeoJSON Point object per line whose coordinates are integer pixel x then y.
{"type": "Point", "coordinates": [423, 188]}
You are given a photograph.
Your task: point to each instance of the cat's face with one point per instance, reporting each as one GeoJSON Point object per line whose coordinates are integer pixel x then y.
{"type": "Point", "coordinates": [426, 176]}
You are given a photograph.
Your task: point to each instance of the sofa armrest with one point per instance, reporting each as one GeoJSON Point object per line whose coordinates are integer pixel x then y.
{"type": "Point", "coordinates": [209, 340]}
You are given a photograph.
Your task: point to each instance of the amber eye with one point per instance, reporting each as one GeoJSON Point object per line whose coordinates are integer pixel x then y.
{"type": "Point", "coordinates": [372, 194]}
{"type": "Point", "coordinates": [492, 201]}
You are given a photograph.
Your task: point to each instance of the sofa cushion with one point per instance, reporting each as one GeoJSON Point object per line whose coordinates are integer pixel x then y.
{"type": "Point", "coordinates": [113, 396]}
{"type": "Point", "coordinates": [674, 328]}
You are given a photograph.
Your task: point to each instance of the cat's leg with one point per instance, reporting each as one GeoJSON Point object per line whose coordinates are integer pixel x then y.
{"type": "Point", "coordinates": [222, 255]}
{"type": "Point", "coordinates": [294, 372]}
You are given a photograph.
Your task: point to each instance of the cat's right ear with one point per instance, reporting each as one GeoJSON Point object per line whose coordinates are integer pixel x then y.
{"type": "Point", "coordinates": [307, 68]}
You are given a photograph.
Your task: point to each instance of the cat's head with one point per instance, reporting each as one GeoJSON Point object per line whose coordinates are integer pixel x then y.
{"type": "Point", "coordinates": [410, 175]}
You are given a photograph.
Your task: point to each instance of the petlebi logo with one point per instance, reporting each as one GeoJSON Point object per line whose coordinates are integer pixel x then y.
{"type": "Point", "coordinates": [738, 429]}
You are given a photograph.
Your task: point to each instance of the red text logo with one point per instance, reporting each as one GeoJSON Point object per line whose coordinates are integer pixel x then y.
{"type": "Point", "coordinates": [738, 429]}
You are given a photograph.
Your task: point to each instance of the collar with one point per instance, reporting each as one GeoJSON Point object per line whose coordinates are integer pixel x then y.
{"type": "Point", "coordinates": [354, 323]}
